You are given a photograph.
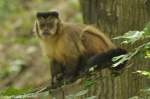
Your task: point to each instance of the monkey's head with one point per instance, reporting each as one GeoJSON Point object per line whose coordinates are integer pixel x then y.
{"type": "Point", "coordinates": [47, 23]}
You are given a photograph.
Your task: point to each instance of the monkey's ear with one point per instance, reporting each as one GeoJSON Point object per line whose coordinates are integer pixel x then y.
{"type": "Point", "coordinates": [47, 14]}
{"type": "Point", "coordinates": [35, 29]}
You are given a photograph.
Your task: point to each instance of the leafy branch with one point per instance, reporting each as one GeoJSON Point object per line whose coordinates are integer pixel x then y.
{"type": "Point", "coordinates": [132, 37]}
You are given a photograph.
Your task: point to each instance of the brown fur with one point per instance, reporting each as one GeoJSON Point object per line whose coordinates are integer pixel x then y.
{"type": "Point", "coordinates": [70, 43]}
{"type": "Point", "coordinates": [95, 41]}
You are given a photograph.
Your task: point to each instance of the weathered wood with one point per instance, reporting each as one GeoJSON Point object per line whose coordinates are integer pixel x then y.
{"type": "Point", "coordinates": [115, 17]}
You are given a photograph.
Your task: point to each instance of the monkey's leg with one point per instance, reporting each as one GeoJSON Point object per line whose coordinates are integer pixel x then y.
{"type": "Point", "coordinates": [70, 73]}
{"type": "Point", "coordinates": [56, 73]}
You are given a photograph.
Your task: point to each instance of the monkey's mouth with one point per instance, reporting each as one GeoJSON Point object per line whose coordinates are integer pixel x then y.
{"type": "Point", "coordinates": [45, 33]}
{"type": "Point", "coordinates": [48, 33]}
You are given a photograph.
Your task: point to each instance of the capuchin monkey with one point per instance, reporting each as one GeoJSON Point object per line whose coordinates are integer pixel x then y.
{"type": "Point", "coordinates": [73, 48]}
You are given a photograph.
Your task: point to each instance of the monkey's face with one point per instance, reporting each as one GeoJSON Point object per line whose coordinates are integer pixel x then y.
{"type": "Point", "coordinates": [47, 23]}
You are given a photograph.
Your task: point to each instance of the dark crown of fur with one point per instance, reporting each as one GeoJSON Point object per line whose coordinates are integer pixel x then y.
{"type": "Point", "coordinates": [47, 14]}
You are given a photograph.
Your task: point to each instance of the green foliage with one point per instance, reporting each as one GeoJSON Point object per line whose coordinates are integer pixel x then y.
{"type": "Point", "coordinates": [92, 97]}
{"type": "Point", "coordinates": [11, 68]}
{"type": "Point", "coordinates": [13, 91]}
{"type": "Point", "coordinates": [88, 83]}
{"type": "Point", "coordinates": [144, 73]}
{"type": "Point", "coordinates": [79, 94]}
{"type": "Point", "coordinates": [17, 93]}
{"type": "Point", "coordinates": [7, 7]}
{"type": "Point", "coordinates": [18, 40]}
{"type": "Point", "coordinates": [146, 91]}
{"type": "Point", "coordinates": [144, 94]}
{"type": "Point", "coordinates": [120, 59]}
{"type": "Point", "coordinates": [78, 18]}
{"type": "Point", "coordinates": [146, 50]}
{"type": "Point", "coordinates": [135, 97]}
{"type": "Point", "coordinates": [147, 30]}
{"type": "Point", "coordinates": [132, 37]}
{"type": "Point", "coordinates": [74, 4]}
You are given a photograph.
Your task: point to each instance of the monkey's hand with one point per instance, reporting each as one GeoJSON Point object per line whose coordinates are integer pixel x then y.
{"type": "Point", "coordinates": [57, 80]}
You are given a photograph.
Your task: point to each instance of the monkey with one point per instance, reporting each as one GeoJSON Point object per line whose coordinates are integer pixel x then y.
{"type": "Point", "coordinates": [73, 48]}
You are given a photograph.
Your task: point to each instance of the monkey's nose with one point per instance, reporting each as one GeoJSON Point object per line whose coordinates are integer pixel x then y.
{"type": "Point", "coordinates": [45, 33]}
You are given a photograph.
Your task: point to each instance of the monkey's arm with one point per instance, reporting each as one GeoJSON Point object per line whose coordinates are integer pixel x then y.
{"type": "Point", "coordinates": [56, 73]}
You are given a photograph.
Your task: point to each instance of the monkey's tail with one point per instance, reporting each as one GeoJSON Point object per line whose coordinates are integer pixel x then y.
{"type": "Point", "coordinates": [104, 60]}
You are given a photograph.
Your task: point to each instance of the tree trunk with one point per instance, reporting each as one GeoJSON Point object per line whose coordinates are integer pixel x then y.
{"type": "Point", "coordinates": [116, 17]}
{"type": "Point", "coordinates": [113, 17]}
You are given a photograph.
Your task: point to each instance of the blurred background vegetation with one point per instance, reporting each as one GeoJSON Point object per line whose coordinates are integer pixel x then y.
{"type": "Point", "coordinates": [20, 56]}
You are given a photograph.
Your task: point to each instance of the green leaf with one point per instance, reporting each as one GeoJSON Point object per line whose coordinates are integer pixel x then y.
{"type": "Point", "coordinates": [147, 54]}
{"type": "Point", "coordinates": [146, 90]}
{"type": "Point", "coordinates": [120, 59]}
{"type": "Point", "coordinates": [144, 73]}
{"type": "Point", "coordinates": [147, 29]}
{"type": "Point", "coordinates": [81, 93]}
{"type": "Point", "coordinates": [70, 97]}
{"type": "Point", "coordinates": [92, 97]}
{"type": "Point", "coordinates": [135, 97]}
{"type": "Point", "coordinates": [12, 91]}
{"type": "Point", "coordinates": [131, 37]}
{"type": "Point", "coordinates": [88, 83]}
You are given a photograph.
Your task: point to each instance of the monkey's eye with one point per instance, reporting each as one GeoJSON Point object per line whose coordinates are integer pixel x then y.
{"type": "Point", "coordinates": [42, 25]}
